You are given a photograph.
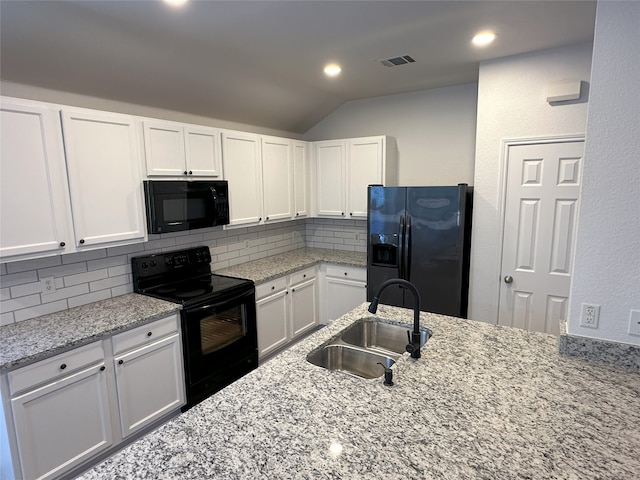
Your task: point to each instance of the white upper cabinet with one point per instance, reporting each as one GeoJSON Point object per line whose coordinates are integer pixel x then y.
{"type": "Point", "coordinates": [35, 215]}
{"type": "Point", "coordinates": [300, 179]}
{"type": "Point", "coordinates": [104, 169]}
{"type": "Point", "coordinates": [346, 168]}
{"type": "Point", "coordinates": [331, 168]}
{"type": "Point", "coordinates": [179, 150]}
{"type": "Point", "coordinates": [277, 178]}
{"type": "Point", "coordinates": [242, 166]}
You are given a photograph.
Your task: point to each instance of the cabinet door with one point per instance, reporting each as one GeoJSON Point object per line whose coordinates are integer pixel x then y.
{"type": "Point", "coordinates": [150, 383]}
{"type": "Point", "coordinates": [104, 164]}
{"type": "Point", "coordinates": [364, 167]}
{"type": "Point", "coordinates": [241, 160]}
{"type": "Point", "coordinates": [330, 158]}
{"type": "Point", "coordinates": [277, 178]}
{"type": "Point", "coordinates": [35, 212]}
{"type": "Point", "coordinates": [272, 322]}
{"type": "Point", "coordinates": [304, 307]}
{"type": "Point", "coordinates": [164, 148]}
{"type": "Point", "coordinates": [343, 296]}
{"type": "Point", "coordinates": [62, 424]}
{"type": "Point", "coordinates": [204, 154]}
{"type": "Point", "coordinates": [300, 179]}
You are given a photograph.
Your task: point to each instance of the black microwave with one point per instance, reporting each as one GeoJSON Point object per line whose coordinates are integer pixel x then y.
{"type": "Point", "coordinates": [175, 205]}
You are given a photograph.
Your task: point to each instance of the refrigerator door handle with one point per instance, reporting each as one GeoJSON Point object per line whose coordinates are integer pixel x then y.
{"type": "Point", "coordinates": [401, 247]}
{"type": "Point", "coordinates": [407, 248]}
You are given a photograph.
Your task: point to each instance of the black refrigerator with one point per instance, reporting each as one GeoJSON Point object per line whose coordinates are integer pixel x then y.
{"type": "Point", "coordinates": [423, 235]}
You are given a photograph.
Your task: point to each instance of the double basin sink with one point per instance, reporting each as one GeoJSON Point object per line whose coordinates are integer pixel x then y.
{"type": "Point", "coordinates": [361, 348]}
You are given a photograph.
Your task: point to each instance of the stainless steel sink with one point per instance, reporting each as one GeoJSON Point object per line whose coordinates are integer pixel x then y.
{"type": "Point", "coordinates": [361, 347]}
{"type": "Point", "coordinates": [381, 337]}
{"type": "Point", "coordinates": [351, 360]}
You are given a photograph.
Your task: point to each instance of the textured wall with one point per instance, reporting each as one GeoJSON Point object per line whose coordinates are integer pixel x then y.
{"type": "Point", "coordinates": [434, 130]}
{"type": "Point", "coordinates": [512, 105]}
{"type": "Point", "coordinates": [607, 259]}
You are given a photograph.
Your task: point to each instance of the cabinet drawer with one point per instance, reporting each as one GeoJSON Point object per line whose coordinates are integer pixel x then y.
{"type": "Point", "coordinates": [55, 367]}
{"type": "Point", "coordinates": [272, 286]}
{"type": "Point", "coordinates": [302, 276]}
{"type": "Point", "coordinates": [353, 273]}
{"type": "Point", "coordinates": [147, 333]}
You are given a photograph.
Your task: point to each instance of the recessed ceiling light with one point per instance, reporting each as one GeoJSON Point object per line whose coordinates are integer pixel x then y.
{"type": "Point", "coordinates": [483, 38]}
{"type": "Point", "coordinates": [332, 69]}
{"type": "Point", "coordinates": [175, 3]}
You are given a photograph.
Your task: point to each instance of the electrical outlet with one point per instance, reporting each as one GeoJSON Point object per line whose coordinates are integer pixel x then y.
{"type": "Point", "coordinates": [48, 285]}
{"type": "Point", "coordinates": [634, 322]}
{"type": "Point", "coordinates": [589, 315]}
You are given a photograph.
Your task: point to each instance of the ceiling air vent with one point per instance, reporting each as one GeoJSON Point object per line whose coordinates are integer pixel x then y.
{"type": "Point", "coordinates": [396, 61]}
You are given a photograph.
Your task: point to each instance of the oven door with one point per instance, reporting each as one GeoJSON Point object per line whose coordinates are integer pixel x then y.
{"type": "Point", "coordinates": [174, 206]}
{"type": "Point", "coordinates": [220, 337]}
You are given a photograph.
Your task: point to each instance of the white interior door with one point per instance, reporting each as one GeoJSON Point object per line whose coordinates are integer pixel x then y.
{"type": "Point", "coordinates": [541, 208]}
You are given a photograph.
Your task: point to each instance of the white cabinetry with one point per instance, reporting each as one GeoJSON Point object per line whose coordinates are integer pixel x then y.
{"type": "Point", "coordinates": [66, 410]}
{"type": "Point", "coordinates": [178, 150]}
{"type": "Point", "coordinates": [61, 411]}
{"type": "Point", "coordinates": [104, 169]}
{"type": "Point", "coordinates": [300, 179]}
{"type": "Point", "coordinates": [344, 170]}
{"type": "Point", "coordinates": [35, 212]}
{"type": "Point", "coordinates": [149, 376]}
{"type": "Point", "coordinates": [242, 167]}
{"type": "Point", "coordinates": [344, 289]}
{"type": "Point", "coordinates": [277, 178]}
{"type": "Point", "coordinates": [286, 307]}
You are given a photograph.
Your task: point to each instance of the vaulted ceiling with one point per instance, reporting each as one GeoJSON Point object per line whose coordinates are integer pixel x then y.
{"type": "Point", "coordinates": [260, 62]}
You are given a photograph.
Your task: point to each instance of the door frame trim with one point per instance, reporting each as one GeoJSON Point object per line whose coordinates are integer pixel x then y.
{"type": "Point", "coordinates": [506, 144]}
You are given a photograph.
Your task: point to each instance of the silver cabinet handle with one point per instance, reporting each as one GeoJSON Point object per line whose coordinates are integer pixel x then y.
{"type": "Point", "coordinates": [508, 279]}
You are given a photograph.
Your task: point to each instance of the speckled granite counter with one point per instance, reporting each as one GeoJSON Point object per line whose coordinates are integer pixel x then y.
{"type": "Point", "coordinates": [483, 402]}
{"type": "Point", "coordinates": [25, 342]}
{"type": "Point", "coordinates": [278, 265]}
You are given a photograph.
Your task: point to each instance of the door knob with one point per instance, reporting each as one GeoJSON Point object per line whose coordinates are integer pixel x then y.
{"type": "Point", "coordinates": [508, 279]}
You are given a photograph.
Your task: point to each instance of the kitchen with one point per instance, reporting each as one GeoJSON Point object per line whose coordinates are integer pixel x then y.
{"type": "Point", "coordinates": [575, 61]}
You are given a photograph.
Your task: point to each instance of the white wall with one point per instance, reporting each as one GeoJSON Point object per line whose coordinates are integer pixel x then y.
{"type": "Point", "coordinates": [11, 89]}
{"type": "Point", "coordinates": [434, 129]}
{"type": "Point", "coordinates": [512, 105]}
{"type": "Point", "coordinates": [607, 259]}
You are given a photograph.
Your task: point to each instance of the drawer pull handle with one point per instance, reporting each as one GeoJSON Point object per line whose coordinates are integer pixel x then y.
{"type": "Point", "coordinates": [149, 334]}
{"type": "Point", "coordinates": [304, 276]}
{"type": "Point", "coordinates": [273, 288]}
{"type": "Point", "coordinates": [345, 273]}
{"type": "Point", "coordinates": [103, 368]}
{"type": "Point", "coordinates": [63, 366]}
{"type": "Point", "coordinates": [120, 362]}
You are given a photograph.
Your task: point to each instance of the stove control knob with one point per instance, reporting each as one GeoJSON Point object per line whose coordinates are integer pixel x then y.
{"type": "Point", "coordinates": [144, 265]}
{"type": "Point", "coordinates": [153, 263]}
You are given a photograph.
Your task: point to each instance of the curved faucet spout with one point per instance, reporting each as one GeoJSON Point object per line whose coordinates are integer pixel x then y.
{"type": "Point", "coordinates": [413, 346]}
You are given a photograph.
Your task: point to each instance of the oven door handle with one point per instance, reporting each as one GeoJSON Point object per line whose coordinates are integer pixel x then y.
{"type": "Point", "coordinates": [219, 304]}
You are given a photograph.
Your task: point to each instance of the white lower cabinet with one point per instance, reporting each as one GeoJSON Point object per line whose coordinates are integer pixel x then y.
{"type": "Point", "coordinates": [61, 419]}
{"type": "Point", "coordinates": [149, 377]}
{"type": "Point", "coordinates": [286, 308]}
{"type": "Point", "coordinates": [344, 289]}
{"type": "Point", "coordinates": [64, 411]}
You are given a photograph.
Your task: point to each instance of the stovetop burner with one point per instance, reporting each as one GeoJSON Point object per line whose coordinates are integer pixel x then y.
{"type": "Point", "coordinates": [182, 276]}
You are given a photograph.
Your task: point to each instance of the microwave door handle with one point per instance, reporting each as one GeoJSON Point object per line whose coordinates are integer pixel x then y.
{"type": "Point", "coordinates": [214, 194]}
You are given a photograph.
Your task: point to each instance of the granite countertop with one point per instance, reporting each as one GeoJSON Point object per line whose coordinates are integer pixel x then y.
{"type": "Point", "coordinates": [289, 262]}
{"type": "Point", "coordinates": [38, 338]}
{"type": "Point", "coordinates": [483, 402]}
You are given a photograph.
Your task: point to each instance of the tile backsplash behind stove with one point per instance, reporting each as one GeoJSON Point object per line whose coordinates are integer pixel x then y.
{"type": "Point", "coordinates": [81, 278]}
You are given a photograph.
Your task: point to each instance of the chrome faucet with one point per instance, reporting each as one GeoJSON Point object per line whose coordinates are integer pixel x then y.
{"type": "Point", "coordinates": [413, 347]}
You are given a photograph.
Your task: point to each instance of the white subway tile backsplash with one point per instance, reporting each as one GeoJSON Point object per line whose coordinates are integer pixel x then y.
{"type": "Point", "coordinates": [6, 318]}
{"type": "Point", "coordinates": [71, 280]}
{"type": "Point", "coordinates": [25, 265]}
{"type": "Point", "coordinates": [39, 310]}
{"type": "Point", "coordinates": [84, 256]}
{"type": "Point", "coordinates": [87, 277]}
{"type": "Point", "coordinates": [89, 298]}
